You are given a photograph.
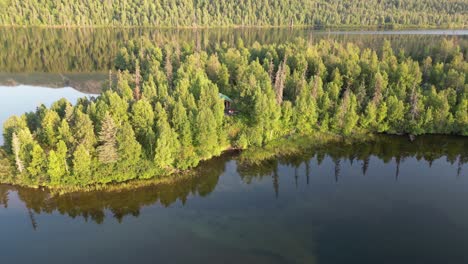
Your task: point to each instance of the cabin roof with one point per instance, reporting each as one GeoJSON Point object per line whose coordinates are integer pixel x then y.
{"type": "Point", "coordinates": [225, 97]}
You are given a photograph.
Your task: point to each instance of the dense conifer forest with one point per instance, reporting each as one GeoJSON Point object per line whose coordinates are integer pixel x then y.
{"type": "Point", "coordinates": [161, 110]}
{"type": "Point", "coordinates": [208, 13]}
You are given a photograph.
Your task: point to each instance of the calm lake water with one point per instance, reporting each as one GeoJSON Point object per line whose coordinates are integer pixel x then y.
{"type": "Point", "coordinates": [16, 100]}
{"type": "Point", "coordinates": [390, 201]}
{"type": "Point", "coordinates": [81, 58]}
{"type": "Point", "coordinates": [387, 201]}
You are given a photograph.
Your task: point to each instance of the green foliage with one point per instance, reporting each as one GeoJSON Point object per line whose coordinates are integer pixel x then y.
{"type": "Point", "coordinates": [107, 150]}
{"type": "Point", "coordinates": [188, 13]}
{"type": "Point", "coordinates": [81, 166]}
{"type": "Point", "coordinates": [50, 123]}
{"type": "Point", "coordinates": [38, 164]}
{"type": "Point", "coordinates": [57, 167]}
{"type": "Point", "coordinates": [167, 143]}
{"type": "Point", "coordinates": [280, 91]}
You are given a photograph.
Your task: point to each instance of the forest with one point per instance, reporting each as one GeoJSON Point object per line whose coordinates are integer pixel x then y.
{"type": "Point", "coordinates": [221, 13]}
{"type": "Point", "coordinates": [161, 110]}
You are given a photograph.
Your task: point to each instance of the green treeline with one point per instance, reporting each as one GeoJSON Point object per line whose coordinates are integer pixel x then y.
{"type": "Point", "coordinates": [204, 13]}
{"type": "Point", "coordinates": [390, 150]}
{"type": "Point", "coordinates": [161, 111]}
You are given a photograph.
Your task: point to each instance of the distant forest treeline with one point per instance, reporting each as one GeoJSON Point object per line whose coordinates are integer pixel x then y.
{"type": "Point", "coordinates": [208, 13]}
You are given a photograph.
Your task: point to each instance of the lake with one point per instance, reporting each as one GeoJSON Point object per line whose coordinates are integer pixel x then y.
{"type": "Point", "coordinates": [81, 58]}
{"type": "Point", "coordinates": [390, 201]}
{"type": "Point", "coordinates": [386, 201]}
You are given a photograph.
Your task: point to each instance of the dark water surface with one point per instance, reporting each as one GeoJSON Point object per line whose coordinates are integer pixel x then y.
{"type": "Point", "coordinates": [389, 201]}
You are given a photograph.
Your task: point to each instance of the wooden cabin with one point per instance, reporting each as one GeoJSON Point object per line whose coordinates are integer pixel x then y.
{"type": "Point", "coordinates": [227, 104]}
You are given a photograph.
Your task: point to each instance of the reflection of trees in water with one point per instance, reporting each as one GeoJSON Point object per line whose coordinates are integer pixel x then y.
{"type": "Point", "coordinates": [93, 205]}
{"type": "Point", "coordinates": [4, 190]}
{"type": "Point", "coordinates": [386, 148]}
{"type": "Point", "coordinates": [91, 50]}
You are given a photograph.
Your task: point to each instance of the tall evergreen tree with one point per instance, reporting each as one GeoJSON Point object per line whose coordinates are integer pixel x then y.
{"type": "Point", "coordinates": [82, 165]}
{"type": "Point", "coordinates": [166, 143]}
{"type": "Point", "coordinates": [107, 150]}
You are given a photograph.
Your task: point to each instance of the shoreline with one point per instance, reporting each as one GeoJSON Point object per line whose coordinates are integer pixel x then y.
{"type": "Point", "coordinates": [287, 146]}
{"type": "Point", "coordinates": [283, 147]}
{"type": "Point", "coordinates": [292, 145]}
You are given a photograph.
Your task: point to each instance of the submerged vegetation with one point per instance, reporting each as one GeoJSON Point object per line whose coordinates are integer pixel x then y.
{"type": "Point", "coordinates": [161, 111]}
{"type": "Point", "coordinates": [202, 13]}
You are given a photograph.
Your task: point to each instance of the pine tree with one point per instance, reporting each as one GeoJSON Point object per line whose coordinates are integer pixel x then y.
{"type": "Point", "coordinates": [346, 117]}
{"type": "Point", "coordinates": [206, 137]}
{"type": "Point", "coordinates": [381, 117]}
{"type": "Point", "coordinates": [50, 124]}
{"type": "Point", "coordinates": [396, 113]}
{"type": "Point", "coordinates": [83, 130]}
{"type": "Point", "coordinates": [461, 117]}
{"type": "Point", "coordinates": [149, 89]}
{"type": "Point", "coordinates": [187, 157]}
{"type": "Point", "coordinates": [65, 133]}
{"type": "Point", "coordinates": [12, 125]}
{"type": "Point", "coordinates": [117, 107]}
{"type": "Point", "coordinates": [166, 144]}
{"type": "Point", "coordinates": [57, 164]}
{"type": "Point", "coordinates": [123, 88]}
{"type": "Point", "coordinates": [369, 119]}
{"type": "Point", "coordinates": [129, 149]}
{"type": "Point", "coordinates": [306, 112]}
{"type": "Point", "coordinates": [82, 165]}
{"type": "Point", "coordinates": [54, 169]}
{"type": "Point", "coordinates": [142, 120]}
{"type": "Point", "coordinates": [107, 150]}
{"type": "Point", "coordinates": [38, 164]}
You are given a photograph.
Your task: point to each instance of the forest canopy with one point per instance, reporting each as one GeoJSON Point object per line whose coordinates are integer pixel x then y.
{"type": "Point", "coordinates": [208, 13]}
{"type": "Point", "coordinates": [161, 110]}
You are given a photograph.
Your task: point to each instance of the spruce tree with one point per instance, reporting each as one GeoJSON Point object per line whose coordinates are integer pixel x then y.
{"type": "Point", "coordinates": [129, 150]}
{"type": "Point", "coordinates": [166, 143]}
{"type": "Point", "coordinates": [206, 137]}
{"type": "Point", "coordinates": [57, 165]}
{"type": "Point", "coordinates": [82, 165]}
{"type": "Point", "coordinates": [107, 149]}
{"type": "Point", "coordinates": [37, 166]}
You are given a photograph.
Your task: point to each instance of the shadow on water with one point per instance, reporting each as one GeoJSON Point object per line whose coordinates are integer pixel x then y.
{"type": "Point", "coordinates": [391, 150]}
